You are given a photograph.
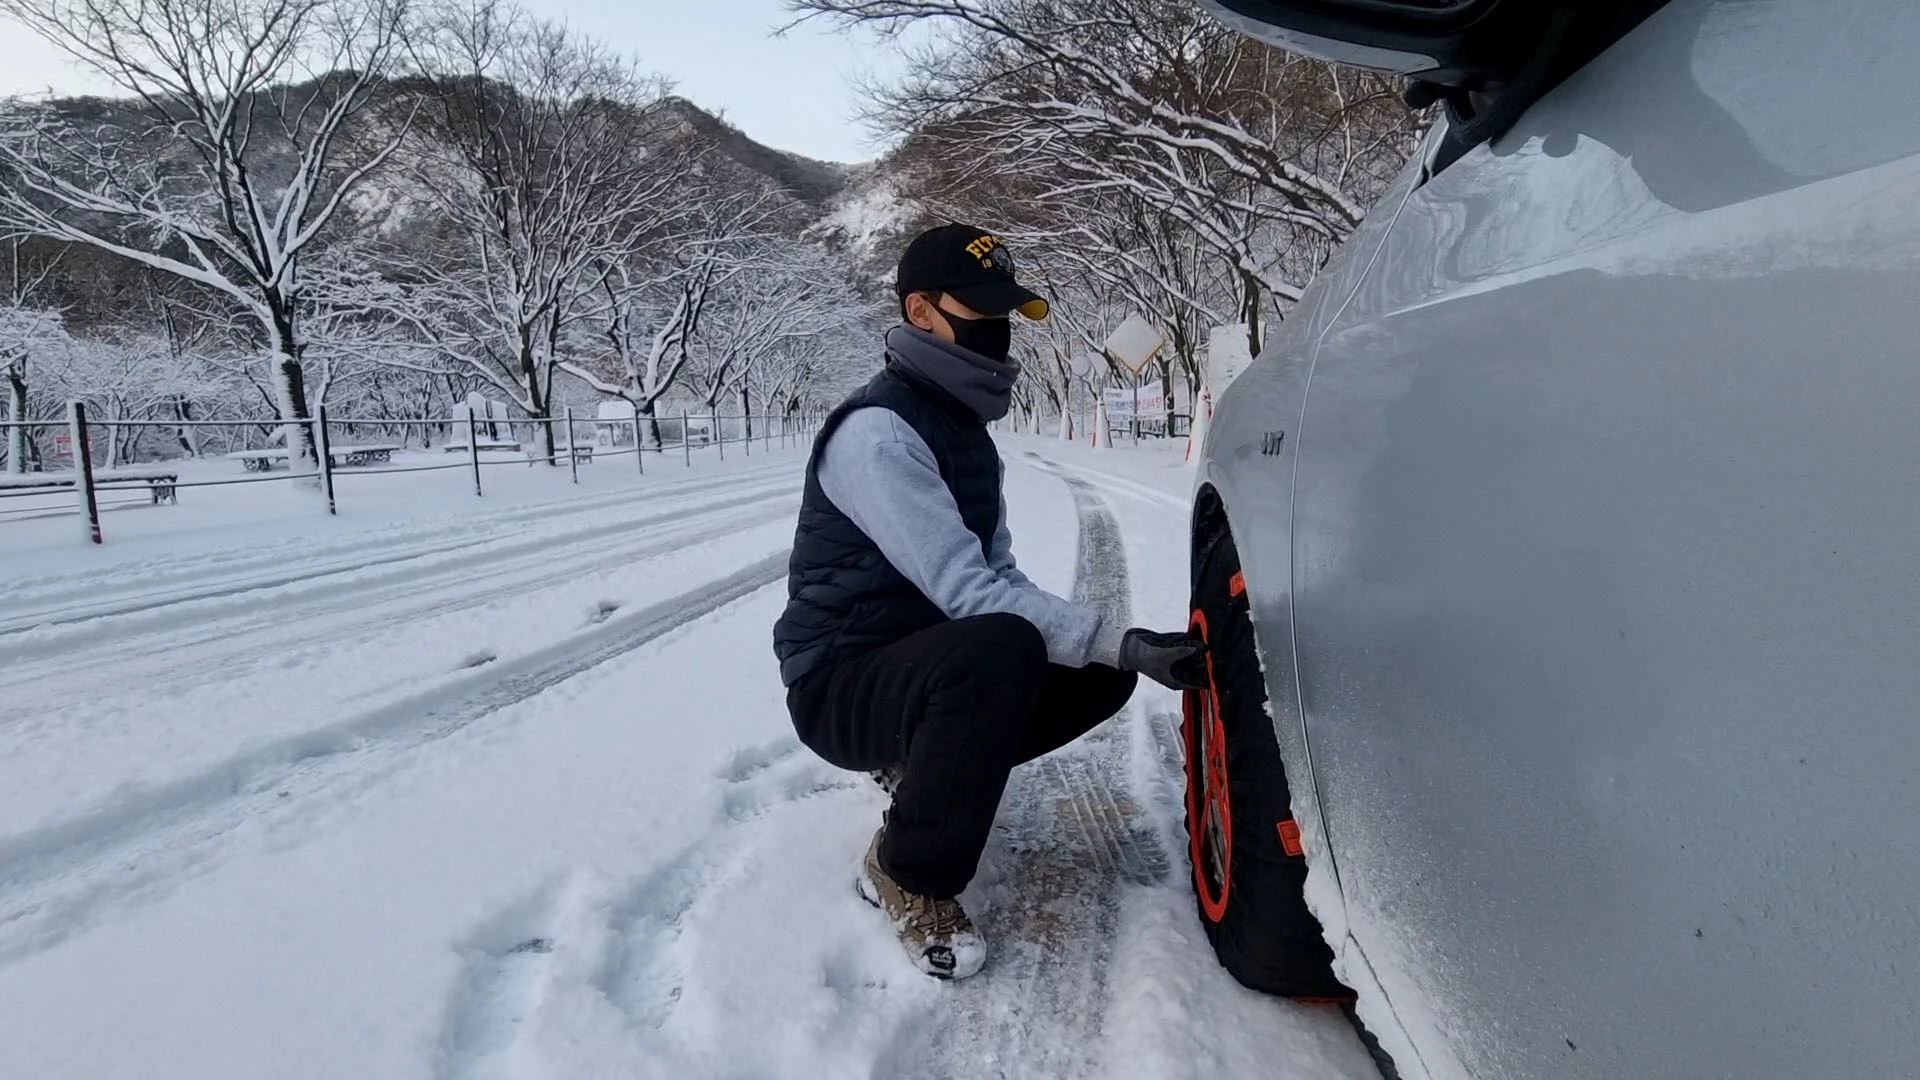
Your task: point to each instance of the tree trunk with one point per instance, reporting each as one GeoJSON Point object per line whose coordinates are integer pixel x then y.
{"type": "Point", "coordinates": [1250, 294]}
{"type": "Point", "coordinates": [746, 413]}
{"type": "Point", "coordinates": [290, 386]}
{"type": "Point", "coordinates": [189, 437]}
{"type": "Point", "coordinates": [1166, 397]}
{"type": "Point", "coordinates": [290, 390]}
{"type": "Point", "coordinates": [16, 412]}
{"type": "Point", "coordinates": [650, 422]}
{"type": "Point", "coordinates": [539, 408]}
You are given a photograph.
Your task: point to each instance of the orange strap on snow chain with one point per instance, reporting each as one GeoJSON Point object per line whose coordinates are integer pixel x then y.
{"type": "Point", "coordinates": [1290, 837]}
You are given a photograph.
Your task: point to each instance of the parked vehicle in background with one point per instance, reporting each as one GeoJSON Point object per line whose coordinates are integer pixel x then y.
{"type": "Point", "coordinates": [1560, 557]}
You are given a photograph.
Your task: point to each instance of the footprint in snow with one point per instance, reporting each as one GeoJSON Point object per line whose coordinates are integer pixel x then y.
{"type": "Point", "coordinates": [647, 961]}
{"type": "Point", "coordinates": [507, 975]}
{"type": "Point", "coordinates": [479, 658]}
{"type": "Point", "coordinates": [749, 761]}
{"type": "Point", "coordinates": [760, 779]}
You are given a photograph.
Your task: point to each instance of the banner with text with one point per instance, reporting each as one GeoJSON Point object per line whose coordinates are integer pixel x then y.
{"type": "Point", "coordinates": [1129, 404]}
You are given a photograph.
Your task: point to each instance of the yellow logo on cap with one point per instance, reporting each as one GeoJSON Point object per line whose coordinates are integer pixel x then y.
{"type": "Point", "coordinates": [982, 249]}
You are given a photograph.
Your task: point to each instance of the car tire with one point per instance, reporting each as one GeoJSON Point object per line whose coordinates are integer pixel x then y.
{"type": "Point", "coordinates": [1249, 872]}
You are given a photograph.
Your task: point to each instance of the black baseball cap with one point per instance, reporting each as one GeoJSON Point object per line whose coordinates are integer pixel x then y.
{"type": "Point", "coordinates": [972, 265]}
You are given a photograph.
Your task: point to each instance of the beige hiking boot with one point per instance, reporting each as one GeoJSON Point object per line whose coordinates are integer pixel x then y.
{"type": "Point", "coordinates": [937, 933]}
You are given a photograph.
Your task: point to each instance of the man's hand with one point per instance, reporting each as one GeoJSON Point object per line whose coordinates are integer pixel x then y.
{"type": "Point", "coordinates": [1175, 661]}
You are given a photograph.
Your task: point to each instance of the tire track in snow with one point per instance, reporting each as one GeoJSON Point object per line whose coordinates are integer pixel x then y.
{"type": "Point", "coordinates": [67, 877]}
{"type": "Point", "coordinates": [436, 591]}
{"type": "Point", "coordinates": [1076, 839]}
{"type": "Point", "coordinates": [64, 598]}
{"type": "Point", "coordinates": [164, 611]}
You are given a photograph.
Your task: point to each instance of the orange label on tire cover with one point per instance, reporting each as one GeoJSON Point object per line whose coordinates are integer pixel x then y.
{"type": "Point", "coordinates": [1237, 585]}
{"type": "Point", "coordinates": [1290, 837]}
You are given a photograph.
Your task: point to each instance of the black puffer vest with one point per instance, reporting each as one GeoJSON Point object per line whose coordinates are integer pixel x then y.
{"type": "Point", "coordinates": [843, 597]}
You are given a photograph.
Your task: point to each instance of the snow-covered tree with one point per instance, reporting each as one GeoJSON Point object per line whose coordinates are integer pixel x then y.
{"type": "Point", "coordinates": [786, 310]}
{"type": "Point", "coordinates": [27, 335]}
{"type": "Point", "coordinates": [652, 303]}
{"type": "Point", "coordinates": [27, 330]}
{"type": "Point", "coordinates": [130, 376]}
{"type": "Point", "coordinates": [552, 164]}
{"type": "Point", "coordinates": [1067, 124]}
{"type": "Point", "coordinates": [247, 125]}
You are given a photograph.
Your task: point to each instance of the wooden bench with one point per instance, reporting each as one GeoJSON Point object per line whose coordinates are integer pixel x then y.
{"type": "Point", "coordinates": [352, 456]}
{"type": "Point", "coordinates": [337, 456]}
{"type": "Point", "coordinates": [483, 444]}
{"type": "Point", "coordinates": [161, 483]}
{"type": "Point", "coordinates": [259, 460]}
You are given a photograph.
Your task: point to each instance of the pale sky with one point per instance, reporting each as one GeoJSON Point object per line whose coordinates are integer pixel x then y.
{"type": "Point", "coordinates": [794, 93]}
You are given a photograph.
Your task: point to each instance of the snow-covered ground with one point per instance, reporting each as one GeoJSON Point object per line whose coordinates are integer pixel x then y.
{"type": "Point", "coordinates": [461, 788]}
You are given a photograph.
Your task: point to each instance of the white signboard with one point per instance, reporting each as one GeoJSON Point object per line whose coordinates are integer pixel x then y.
{"type": "Point", "coordinates": [1135, 342]}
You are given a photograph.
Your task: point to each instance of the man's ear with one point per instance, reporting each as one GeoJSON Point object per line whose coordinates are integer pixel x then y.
{"type": "Point", "coordinates": [922, 312]}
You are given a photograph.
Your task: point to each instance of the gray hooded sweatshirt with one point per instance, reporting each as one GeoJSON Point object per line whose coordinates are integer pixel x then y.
{"type": "Point", "coordinates": [883, 476]}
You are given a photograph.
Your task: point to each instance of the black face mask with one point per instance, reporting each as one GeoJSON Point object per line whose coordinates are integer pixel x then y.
{"type": "Point", "coordinates": [991, 338]}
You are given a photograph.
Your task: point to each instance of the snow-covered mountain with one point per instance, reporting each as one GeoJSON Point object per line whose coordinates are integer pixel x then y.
{"type": "Point", "coordinates": [852, 209]}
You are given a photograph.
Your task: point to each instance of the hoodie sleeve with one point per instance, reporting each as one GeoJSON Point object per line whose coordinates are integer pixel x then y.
{"type": "Point", "coordinates": [882, 475]}
{"type": "Point", "coordinates": [1000, 552]}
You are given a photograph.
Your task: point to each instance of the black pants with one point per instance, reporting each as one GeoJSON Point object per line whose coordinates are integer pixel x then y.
{"type": "Point", "coordinates": [959, 705]}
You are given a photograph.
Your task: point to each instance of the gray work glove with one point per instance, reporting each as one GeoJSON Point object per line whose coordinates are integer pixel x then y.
{"type": "Point", "coordinates": [1172, 660]}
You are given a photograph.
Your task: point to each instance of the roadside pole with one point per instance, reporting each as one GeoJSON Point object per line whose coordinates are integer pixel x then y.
{"type": "Point", "coordinates": [473, 451]}
{"type": "Point", "coordinates": [573, 458]}
{"type": "Point", "coordinates": [83, 469]}
{"type": "Point", "coordinates": [323, 447]}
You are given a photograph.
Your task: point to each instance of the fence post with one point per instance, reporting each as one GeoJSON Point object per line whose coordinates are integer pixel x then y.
{"type": "Point", "coordinates": [83, 469]}
{"type": "Point", "coordinates": [473, 450]}
{"type": "Point", "coordinates": [639, 448]}
{"type": "Point", "coordinates": [323, 447]}
{"type": "Point", "coordinates": [573, 459]}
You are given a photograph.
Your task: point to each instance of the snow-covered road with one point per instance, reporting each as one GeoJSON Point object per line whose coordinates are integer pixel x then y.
{"type": "Point", "coordinates": [516, 796]}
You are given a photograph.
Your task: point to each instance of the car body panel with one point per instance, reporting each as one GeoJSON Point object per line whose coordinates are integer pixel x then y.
{"type": "Point", "coordinates": [1602, 566]}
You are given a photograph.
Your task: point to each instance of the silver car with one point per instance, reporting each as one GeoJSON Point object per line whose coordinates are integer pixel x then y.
{"type": "Point", "coordinates": [1560, 557]}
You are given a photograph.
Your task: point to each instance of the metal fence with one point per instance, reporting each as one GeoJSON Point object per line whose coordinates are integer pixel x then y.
{"type": "Point", "coordinates": [322, 449]}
